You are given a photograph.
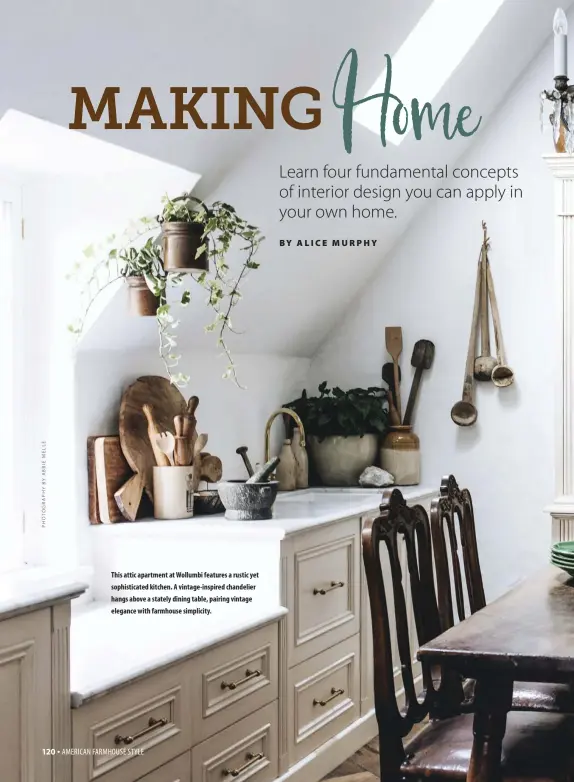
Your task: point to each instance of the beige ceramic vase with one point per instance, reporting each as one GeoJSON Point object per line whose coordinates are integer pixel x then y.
{"type": "Point", "coordinates": [301, 460]}
{"type": "Point", "coordinates": [401, 456]}
{"type": "Point", "coordinates": [286, 472]}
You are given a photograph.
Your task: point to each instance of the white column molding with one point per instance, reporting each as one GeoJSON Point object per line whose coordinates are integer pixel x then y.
{"type": "Point", "coordinates": [562, 508]}
{"type": "Point", "coordinates": [61, 712]}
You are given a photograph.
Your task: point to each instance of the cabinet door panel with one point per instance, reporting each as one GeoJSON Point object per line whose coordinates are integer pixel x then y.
{"type": "Point", "coordinates": [25, 698]}
{"type": "Point", "coordinates": [323, 589]}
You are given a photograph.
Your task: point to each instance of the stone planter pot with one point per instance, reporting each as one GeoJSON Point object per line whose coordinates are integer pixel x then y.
{"type": "Point", "coordinates": [142, 301]}
{"type": "Point", "coordinates": [180, 242]}
{"type": "Point", "coordinates": [339, 461]}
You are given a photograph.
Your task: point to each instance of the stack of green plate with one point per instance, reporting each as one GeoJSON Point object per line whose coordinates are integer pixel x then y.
{"type": "Point", "coordinates": [563, 556]}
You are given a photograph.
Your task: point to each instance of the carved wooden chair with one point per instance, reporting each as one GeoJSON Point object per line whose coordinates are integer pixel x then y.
{"type": "Point", "coordinates": [441, 749]}
{"type": "Point", "coordinates": [453, 532]}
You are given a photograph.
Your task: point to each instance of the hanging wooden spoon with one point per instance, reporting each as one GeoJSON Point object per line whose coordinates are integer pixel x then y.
{"type": "Point", "coordinates": [464, 413]}
{"type": "Point", "coordinates": [502, 374]}
{"type": "Point", "coordinates": [485, 363]}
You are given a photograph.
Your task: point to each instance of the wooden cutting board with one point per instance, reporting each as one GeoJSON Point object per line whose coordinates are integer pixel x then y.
{"type": "Point", "coordinates": [108, 470]}
{"type": "Point", "coordinates": [166, 402]}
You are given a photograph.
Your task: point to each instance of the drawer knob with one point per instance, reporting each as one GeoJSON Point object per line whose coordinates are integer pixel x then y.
{"type": "Point", "coordinates": [152, 725]}
{"type": "Point", "coordinates": [251, 759]}
{"type": "Point", "coordinates": [234, 685]}
{"type": "Point", "coordinates": [334, 694]}
{"type": "Point", "coordinates": [334, 585]}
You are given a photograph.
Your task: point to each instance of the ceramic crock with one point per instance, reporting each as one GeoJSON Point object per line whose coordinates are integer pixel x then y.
{"type": "Point", "coordinates": [172, 492]}
{"type": "Point", "coordinates": [401, 456]}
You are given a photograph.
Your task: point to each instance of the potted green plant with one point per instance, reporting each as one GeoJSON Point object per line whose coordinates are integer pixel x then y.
{"type": "Point", "coordinates": [126, 257]}
{"type": "Point", "coordinates": [143, 269]}
{"type": "Point", "coordinates": [183, 228]}
{"type": "Point", "coordinates": [343, 429]}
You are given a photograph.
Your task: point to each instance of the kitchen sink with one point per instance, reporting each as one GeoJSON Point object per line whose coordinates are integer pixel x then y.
{"type": "Point", "coordinates": [325, 495]}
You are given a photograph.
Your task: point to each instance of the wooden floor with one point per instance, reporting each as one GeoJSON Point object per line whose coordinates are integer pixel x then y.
{"type": "Point", "coordinates": [363, 766]}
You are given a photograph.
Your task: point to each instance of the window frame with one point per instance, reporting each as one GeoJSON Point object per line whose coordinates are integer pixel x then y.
{"type": "Point", "coordinates": [12, 523]}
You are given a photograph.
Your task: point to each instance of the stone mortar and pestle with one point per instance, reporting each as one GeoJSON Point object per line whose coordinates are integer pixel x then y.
{"type": "Point", "coordinates": [251, 500]}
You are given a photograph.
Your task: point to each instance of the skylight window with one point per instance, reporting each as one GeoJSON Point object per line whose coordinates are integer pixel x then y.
{"type": "Point", "coordinates": [435, 48]}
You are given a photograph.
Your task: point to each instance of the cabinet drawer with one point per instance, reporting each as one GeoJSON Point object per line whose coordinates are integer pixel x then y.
{"type": "Point", "coordinates": [323, 697]}
{"type": "Point", "coordinates": [151, 717]}
{"type": "Point", "coordinates": [246, 750]}
{"type": "Point", "coordinates": [324, 589]}
{"type": "Point", "coordinates": [179, 770]}
{"type": "Point", "coordinates": [233, 680]}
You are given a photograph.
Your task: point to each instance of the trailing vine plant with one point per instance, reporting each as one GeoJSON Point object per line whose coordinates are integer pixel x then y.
{"type": "Point", "coordinates": [222, 225]}
{"type": "Point", "coordinates": [132, 255]}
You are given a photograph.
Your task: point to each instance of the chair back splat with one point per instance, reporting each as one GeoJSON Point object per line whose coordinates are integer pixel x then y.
{"type": "Point", "coordinates": [452, 520]}
{"type": "Point", "coordinates": [397, 528]}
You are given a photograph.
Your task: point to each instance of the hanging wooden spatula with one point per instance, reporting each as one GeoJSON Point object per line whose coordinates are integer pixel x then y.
{"type": "Point", "coordinates": [394, 343]}
{"type": "Point", "coordinates": [422, 358]}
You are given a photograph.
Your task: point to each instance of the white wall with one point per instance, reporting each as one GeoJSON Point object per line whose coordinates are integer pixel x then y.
{"type": "Point", "coordinates": [67, 399]}
{"type": "Point", "coordinates": [63, 213]}
{"type": "Point", "coordinates": [427, 286]}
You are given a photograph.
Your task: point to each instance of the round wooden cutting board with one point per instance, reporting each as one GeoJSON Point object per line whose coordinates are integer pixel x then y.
{"type": "Point", "coordinates": [166, 402]}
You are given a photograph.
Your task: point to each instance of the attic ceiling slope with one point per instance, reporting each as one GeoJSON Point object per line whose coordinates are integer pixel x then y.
{"type": "Point", "coordinates": [298, 296]}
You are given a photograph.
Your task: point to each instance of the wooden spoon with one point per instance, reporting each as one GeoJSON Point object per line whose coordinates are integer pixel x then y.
{"type": "Point", "coordinates": [152, 430]}
{"type": "Point", "coordinates": [388, 375]}
{"type": "Point", "coordinates": [393, 412]}
{"type": "Point", "coordinates": [394, 343]}
{"type": "Point", "coordinates": [422, 358]}
{"type": "Point", "coordinates": [502, 374]}
{"type": "Point", "coordinates": [485, 363]}
{"type": "Point", "coordinates": [464, 413]}
{"type": "Point", "coordinates": [165, 441]}
{"type": "Point", "coordinates": [200, 444]}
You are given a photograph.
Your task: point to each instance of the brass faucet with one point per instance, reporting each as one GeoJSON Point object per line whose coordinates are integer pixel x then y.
{"type": "Point", "coordinates": [272, 417]}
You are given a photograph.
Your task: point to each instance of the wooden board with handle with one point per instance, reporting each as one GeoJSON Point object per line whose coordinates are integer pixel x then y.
{"type": "Point", "coordinates": [108, 470]}
{"type": "Point", "coordinates": [165, 401]}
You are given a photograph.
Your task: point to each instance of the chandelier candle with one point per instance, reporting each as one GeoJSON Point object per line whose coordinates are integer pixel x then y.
{"type": "Point", "coordinates": [560, 44]}
{"type": "Point", "coordinates": [562, 96]}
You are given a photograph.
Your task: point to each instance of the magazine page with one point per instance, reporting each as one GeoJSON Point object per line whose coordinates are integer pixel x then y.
{"type": "Point", "coordinates": [275, 280]}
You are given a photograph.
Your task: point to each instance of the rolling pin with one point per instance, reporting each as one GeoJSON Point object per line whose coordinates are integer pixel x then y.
{"type": "Point", "coordinates": [182, 451]}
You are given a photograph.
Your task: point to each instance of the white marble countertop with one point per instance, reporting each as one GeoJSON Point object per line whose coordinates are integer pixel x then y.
{"type": "Point", "coordinates": [107, 651]}
{"type": "Point", "coordinates": [29, 588]}
{"type": "Point", "coordinates": [293, 512]}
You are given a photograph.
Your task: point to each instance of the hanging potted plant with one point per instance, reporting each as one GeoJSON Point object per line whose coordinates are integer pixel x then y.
{"type": "Point", "coordinates": [138, 264]}
{"type": "Point", "coordinates": [145, 277]}
{"type": "Point", "coordinates": [183, 234]}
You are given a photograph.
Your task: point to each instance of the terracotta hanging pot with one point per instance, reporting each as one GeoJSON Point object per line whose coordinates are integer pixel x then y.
{"type": "Point", "coordinates": [142, 301]}
{"type": "Point", "coordinates": [180, 243]}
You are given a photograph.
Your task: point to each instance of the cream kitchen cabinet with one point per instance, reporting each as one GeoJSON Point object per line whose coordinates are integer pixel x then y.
{"type": "Point", "coordinates": [34, 679]}
{"type": "Point", "coordinates": [178, 770]}
{"type": "Point", "coordinates": [287, 697]}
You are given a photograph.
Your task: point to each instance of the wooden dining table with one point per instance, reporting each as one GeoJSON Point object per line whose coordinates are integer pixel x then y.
{"type": "Point", "coordinates": [526, 635]}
